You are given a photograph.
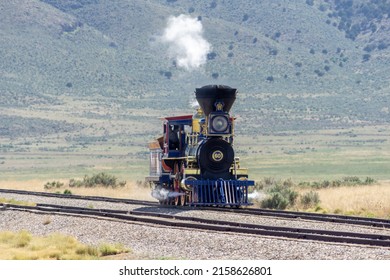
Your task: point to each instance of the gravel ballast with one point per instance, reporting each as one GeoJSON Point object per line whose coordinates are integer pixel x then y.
{"type": "Point", "coordinates": [156, 242]}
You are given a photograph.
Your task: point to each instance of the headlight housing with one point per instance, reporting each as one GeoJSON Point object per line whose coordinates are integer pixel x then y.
{"type": "Point", "coordinates": [219, 123]}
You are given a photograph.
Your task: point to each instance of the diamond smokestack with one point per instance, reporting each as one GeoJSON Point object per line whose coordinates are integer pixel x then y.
{"type": "Point", "coordinates": [208, 95]}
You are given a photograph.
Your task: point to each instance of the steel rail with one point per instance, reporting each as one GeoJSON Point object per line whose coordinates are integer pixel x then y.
{"type": "Point", "coordinates": [333, 218]}
{"type": "Point", "coordinates": [213, 225]}
{"type": "Point", "coordinates": [83, 197]}
{"type": "Point", "coordinates": [342, 219]}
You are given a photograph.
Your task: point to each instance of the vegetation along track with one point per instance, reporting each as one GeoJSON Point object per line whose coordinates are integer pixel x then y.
{"type": "Point", "coordinates": [341, 219]}
{"type": "Point", "coordinates": [209, 224]}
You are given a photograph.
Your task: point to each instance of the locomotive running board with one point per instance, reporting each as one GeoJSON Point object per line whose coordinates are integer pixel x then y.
{"type": "Point", "coordinates": [219, 192]}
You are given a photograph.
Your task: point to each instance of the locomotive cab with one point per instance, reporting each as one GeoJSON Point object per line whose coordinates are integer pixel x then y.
{"type": "Point", "coordinates": [175, 128]}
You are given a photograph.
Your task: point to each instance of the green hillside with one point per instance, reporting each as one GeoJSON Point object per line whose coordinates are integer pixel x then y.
{"type": "Point", "coordinates": [83, 76]}
{"type": "Point", "coordinates": [89, 48]}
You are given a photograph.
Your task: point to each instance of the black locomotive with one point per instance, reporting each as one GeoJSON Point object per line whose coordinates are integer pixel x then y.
{"type": "Point", "coordinates": [193, 162]}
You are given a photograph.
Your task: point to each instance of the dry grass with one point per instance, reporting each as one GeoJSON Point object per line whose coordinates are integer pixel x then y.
{"type": "Point", "coordinates": [18, 202]}
{"type": "Point", "coordinates": [370, 201]}
{"type": "Point", "coordinates": [31, 185]}
{"type": "Point", "coordinates": [23, 246]}
{"type": "Point", "coordinates": [132, 190]}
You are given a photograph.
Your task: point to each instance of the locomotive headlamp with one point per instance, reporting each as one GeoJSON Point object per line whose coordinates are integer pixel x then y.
{"type": "Point", "coordinates": [219, 124]}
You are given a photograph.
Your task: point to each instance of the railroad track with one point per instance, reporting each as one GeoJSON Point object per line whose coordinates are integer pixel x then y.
{"type": "Point", "coordinates": [207, 224]}
{"type": "Point", "coordinates": [83, 197]}
{"type": "Point", "coordinates": [331, 218]}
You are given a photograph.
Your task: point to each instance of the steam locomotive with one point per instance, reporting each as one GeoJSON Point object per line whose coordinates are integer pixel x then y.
{"type": "Point", "coordinates": [193, 162]}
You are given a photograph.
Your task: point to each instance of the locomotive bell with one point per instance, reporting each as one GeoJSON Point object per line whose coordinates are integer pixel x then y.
{"type": "Point", "coordinates": [212, 97]}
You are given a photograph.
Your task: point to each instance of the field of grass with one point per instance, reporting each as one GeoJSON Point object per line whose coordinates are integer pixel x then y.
{"type": "Point", "coordinates": [302, 155]}
{"type": "Point", "coordinates": [367, 201]}
{"type": "Point", "coordinates": [318, 155]}
{"type": "Point", "coordinates": [347, 196]}
{"type": "Point", "coordinates": [24, 246]}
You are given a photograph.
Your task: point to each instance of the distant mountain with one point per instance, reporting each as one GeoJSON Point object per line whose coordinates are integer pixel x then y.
{"type": "Point", "coordinates": [331, 58]}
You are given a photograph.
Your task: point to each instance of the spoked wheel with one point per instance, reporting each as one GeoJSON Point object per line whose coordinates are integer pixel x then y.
{"type": "Point", "coordinates": [183, 199]}
{"type": "Point", "coordinates": [176, 184]}
{"type": "Point", "coordinates": [177, 201]}
{"type": "Point", "coordinates": [190, 197]}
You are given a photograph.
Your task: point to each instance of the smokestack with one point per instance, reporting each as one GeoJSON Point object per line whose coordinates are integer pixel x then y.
{"type": "Point", "coordinates": [207, 96]}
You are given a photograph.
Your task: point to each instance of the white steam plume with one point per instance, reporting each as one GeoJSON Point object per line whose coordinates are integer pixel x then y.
{"type": "Point", "coordinates": [163, 194]}
{"type": "Point", "coordinates": [186, 43]}
{"type": "Point", "coordinates": [255, 195]}
{"type": "Point", "coordinates": [194, 103]}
